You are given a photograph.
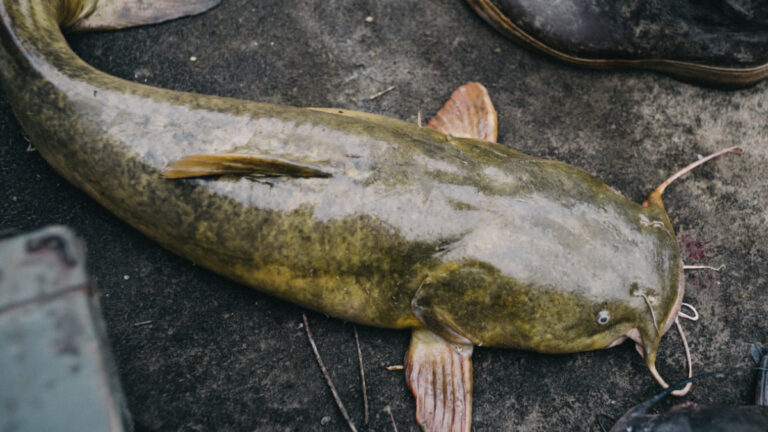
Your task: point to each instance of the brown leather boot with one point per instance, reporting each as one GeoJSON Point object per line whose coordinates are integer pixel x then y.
{"type": "Point", "coordinates": [720, 42]}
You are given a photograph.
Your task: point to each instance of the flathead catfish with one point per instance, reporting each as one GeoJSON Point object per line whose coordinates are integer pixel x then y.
{"type": "Point", "coordinates": [362, 217]}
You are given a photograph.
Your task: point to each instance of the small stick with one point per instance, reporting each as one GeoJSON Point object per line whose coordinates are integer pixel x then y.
{"type": "Point", "coordinates": [327, 376]}
{"type": "Point", "coordinates": [703, 267]}
{"type": "Point", "coordinates": [395, 368]}
{"type": "Point", "coordinates": [418, 118]}
{"type": "Point", "coordinates": [391, 417]}
{"type": "Point", "coordinates": [362, 376]}
{"type": "Point", "coordinates": [142, 323]}
{"type": "Point", "coordinates": [382, 93]}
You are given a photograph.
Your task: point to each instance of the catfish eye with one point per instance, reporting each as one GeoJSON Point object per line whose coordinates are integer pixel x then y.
{"type": "Point", "coordinates": [603, 317]}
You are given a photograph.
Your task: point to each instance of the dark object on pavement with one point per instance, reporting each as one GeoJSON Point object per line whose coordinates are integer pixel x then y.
{"type": "Point", "coordinates": [717, 42]}
{"type": "Point", "coordinates": [690, 417]}
{"type": "Point", "coordinates": [56, 371]}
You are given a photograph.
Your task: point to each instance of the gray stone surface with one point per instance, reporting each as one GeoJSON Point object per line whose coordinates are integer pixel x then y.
{"type": "Point", "coordinates": [218, 356]}
{"type": "Point", "coordinates": [54, 358]}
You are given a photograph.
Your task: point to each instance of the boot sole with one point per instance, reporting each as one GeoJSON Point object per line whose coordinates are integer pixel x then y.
{"type": "Point", "coordinates": [686, 71]}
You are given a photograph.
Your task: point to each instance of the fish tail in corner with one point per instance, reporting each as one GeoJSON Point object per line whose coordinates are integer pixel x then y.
{"type": "Point", "coordinates": [117, 14]}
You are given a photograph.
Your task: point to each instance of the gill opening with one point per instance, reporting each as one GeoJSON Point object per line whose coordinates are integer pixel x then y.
{"type": "Point", "coordinates": [655, 196]}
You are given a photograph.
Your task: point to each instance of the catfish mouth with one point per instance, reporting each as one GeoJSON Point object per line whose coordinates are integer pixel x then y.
{"type": "Point", "coordinates": [634, 333]}
{"type": "Point", "coordinates": [647, 345]}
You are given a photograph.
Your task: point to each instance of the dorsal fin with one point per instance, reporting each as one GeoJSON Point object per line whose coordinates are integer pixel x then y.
{"type": "Point", "coordinates": [469, 113]}
{"type": "Point", "coordinates": [203, 165]}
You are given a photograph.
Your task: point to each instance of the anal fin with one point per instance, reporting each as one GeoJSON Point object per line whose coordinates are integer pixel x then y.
{"type": "Point", "coordinates": [439, 374]}
{"type": "Point", "coordinates": [117, 14]}
{"type": "Point", "coordinates": [203, 165]}
{"type": "Point", "coordinates": [469, 113]}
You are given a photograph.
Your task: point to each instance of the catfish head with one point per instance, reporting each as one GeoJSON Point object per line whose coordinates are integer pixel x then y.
{"type": "Point", "coordinates": [557, 272]}
{"type": "Point", "coordinates": [473, 303]}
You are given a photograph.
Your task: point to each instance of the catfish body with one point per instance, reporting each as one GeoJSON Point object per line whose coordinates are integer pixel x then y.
{"type": "Point", "coordinates": [361, 217]}
{"type": "Point", "coordinates": [401, 203]}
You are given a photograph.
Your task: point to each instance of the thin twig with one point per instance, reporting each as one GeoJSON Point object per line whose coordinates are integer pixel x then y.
{"type": "Point", "coordinates": [418, 118]}
{"type": "Point", "coordinates": [703, 267]}
{"type": "Point", "coordinates": [391, 417]}
{"type": "Point", "coordinates": [395, 368]}
{"type": "Point", "coordinates": [362, 376]}
{"type": "Point", "coordinates": [142, 323]}
{"type": "Point", "coordinates": [382, 93]}
{"type": "Point", "coordinates": [327, 376]}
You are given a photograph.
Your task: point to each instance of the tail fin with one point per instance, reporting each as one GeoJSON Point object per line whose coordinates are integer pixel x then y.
{"type": "Point", "coordinates": [117, 14]}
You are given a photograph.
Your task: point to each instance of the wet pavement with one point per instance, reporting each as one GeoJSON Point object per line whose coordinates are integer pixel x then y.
{"type": "Point", "coordinates": [197, 352]}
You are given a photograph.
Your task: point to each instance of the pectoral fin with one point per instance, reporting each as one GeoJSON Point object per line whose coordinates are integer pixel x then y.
{"type": "Point", "coordinates": [439, 374]}
{"type": "Point", "coordinates": [469, 113]}
{"type": "Point", "coordinates": [202, 165]}
{"type": "Point", "coordinates": [117, 14]}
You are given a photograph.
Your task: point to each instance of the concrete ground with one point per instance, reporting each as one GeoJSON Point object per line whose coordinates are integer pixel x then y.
{"type": "Point", "coordinates": [212, 355]}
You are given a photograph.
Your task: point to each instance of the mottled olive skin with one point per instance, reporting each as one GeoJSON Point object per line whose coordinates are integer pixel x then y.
{"type": "Point", "coordinates": [413, 228]}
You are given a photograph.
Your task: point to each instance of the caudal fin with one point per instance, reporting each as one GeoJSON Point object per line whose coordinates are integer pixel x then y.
{"type": "Point", "coordinates": [117, 14]}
